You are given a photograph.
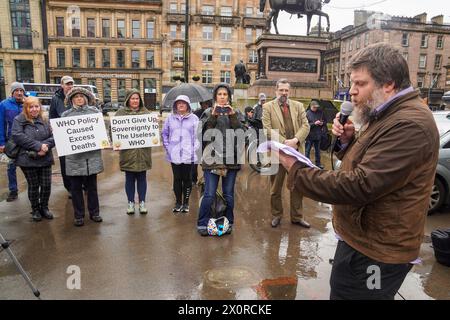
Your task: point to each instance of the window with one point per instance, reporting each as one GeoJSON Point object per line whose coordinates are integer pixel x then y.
{"type": "Point", "coordinates": [121, 29]}
{"type": "Point", "coordinates": [76, 58]}
{"type": "Point", "coordinates": [422, 61]}
{"type": "Point", "coordinates": [106, 58]}
{"type": "Point", "coordinates": [1, 69]}
{"type": "Point", "coordinates": [60, 26]}
{"type": "Point", "coordinates": [343, 64]}
{"type": "Point", "coordinates": [121, 90]}
{"type": "Point", "coordinates": [106, 28]}
{"type": "Point", "coordinates": [225, 55]}
{"type": "Point", "coordinates": [226, 11]}
{"type": "Point", "coordinates": [344, 44]}
{"type": "Point", "coordinates": [252, 56]}
{"type": "Point", "coordinates": [20, 19]}
{"type": "Point", "coordinates": [366, 39]}
{"type": "Point", "coordinates": [258, 32]}
{"type": "Point", "coordinates": [420, 81]}
{"type": "Point", "coordinates": [207, 55]}
{"type": "Point", "coordinates": [135, 84]}
{"type": "Point", "coordinates": [208, 10]}
{"type": "Point", "coordinates": [206, 76]}
{"type": "Point", "coordinates": [405, 39]}
{"type": "Point", "coordinates": [135, 59]}
{"type": "Point", "coordinates": [120, 61]}
{"type": "Point", "coordinates": [183, 8]}
{"type": "Point", "coordinates": [183, 31]}
{"type": "Point", "coordinates": [437, 62]}
{"type": "Point", "coordinates": [24, 70]}
{"type": "Point", "coordinates": [248, 34]}
{"type": "Point", "coordinates": [150, 59]}
{"type": "Point", "coordinates": [173, 31]}
{"type": "Point", "coordinates": [207, 32]}
{"type": "Point", "coordinates": [75, 27]}
{"type": "Point", "coordinates": [173, 7]}
{"type": "Point", "coordinates": [225, 33]}
{"type": "Point", "coordinates": [91, 28]}
{"type": "Point", "coordinates": [106, 90]}
{"type": "Point", "coordinates": [136, 29]}
{"type": "Point", "coordinates": [350, 45]}
{"type": "Point", "coordinates": [60, 58]}
{"type": "Point", "coordinates": [440, 42]}
{"type": "Point", "coordinates": [249, 12]}
{"type": "Point", "coordinates": [358, 42]}
{"type": "Point", "coordinates": [150, 29]}
{"type": "Point", "coordinates": [178, 54]}
{"type": "Point", "coordinates": [424, 41]}
{"type": "Point", "coordinates": [225, 76]}
{"type": "Point", "coordinates": [91, 58]}
{"type": "Point", "coordinates": [22, 42]}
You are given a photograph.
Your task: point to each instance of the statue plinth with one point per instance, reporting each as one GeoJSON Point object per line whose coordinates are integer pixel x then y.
{"type": "Point", "coordinates": [296, 58]}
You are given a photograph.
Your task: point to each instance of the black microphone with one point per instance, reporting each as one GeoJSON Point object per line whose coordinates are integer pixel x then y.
{"type": "Point", "coordinates": [346, 110]}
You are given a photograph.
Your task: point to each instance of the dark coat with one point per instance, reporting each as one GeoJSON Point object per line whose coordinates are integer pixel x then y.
{"type": "Point", "coordinates": [382, 191]}
{"type": "Point", "coordinates": [57, 106]}
{"type": "Point", "coordinates": [315, 132]}
{"type": "Point", "coordinates": [30, 137]}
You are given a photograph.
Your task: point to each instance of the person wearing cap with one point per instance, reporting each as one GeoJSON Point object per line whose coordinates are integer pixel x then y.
{"type": "Point", "coordinates": [9, 109]}
{"type": "Point", "coordinates": [57, 107]}
{"type": "Point", "coordinates": [180, 141]}
{"type": "Point", "coordinates": [220, 158]}
{"type": "Point", "coordinates": [82, 168]}
{"type": "Point", "coordinates": [317, 124]}
{"type": "Point", "coordinates": [135, 162]}
{"type": "Point", "coordinates": [258, 110]}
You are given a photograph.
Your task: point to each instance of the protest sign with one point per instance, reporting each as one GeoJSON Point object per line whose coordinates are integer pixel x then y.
{"type": "Point", "coordinates": [79, 134]}
{"type": "Point", "coordinates": [131, 132]}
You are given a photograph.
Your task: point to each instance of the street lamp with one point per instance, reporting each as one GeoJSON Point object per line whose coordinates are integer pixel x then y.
{"type": "Point", "coordinates": [186, 42]}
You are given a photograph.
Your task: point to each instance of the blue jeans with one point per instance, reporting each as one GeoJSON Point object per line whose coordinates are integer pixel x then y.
{"type": "Point", "coordinates": [133, 178]}
{"type": "Point", "coordinates": [12, 177]}
{"type": "Point", "coordinates": [211, 183]}
{"type": "Point", "coordinates": [316, 144]}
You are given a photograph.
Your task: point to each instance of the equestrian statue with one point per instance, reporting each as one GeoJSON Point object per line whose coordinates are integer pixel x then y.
{"type": "Point", "coordinates": [298, 7]}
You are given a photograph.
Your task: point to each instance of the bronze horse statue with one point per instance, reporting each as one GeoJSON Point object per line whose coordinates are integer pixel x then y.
{"type": "Point", "coordinates": [298, 7]}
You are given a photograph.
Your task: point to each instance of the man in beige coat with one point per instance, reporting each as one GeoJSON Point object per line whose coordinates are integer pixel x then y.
{"type": "Point", "coordinates": [285, 120]}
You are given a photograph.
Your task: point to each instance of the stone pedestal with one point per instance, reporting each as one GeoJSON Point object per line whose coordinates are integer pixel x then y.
{"type": "Point", "coordinates": [296, 58]}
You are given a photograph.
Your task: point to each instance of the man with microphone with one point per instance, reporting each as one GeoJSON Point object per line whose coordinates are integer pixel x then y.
{"type": "Point", "coordinates": [381, 193]}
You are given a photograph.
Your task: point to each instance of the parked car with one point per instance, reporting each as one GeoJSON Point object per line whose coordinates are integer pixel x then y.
{"type": "Point", "coordinates": [440, 194]}
{"type": "Point", "coordinates": [110, 107]}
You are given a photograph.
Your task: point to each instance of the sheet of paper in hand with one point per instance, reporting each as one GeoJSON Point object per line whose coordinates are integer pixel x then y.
{"type": "Point", "coordinates": [276, 146]}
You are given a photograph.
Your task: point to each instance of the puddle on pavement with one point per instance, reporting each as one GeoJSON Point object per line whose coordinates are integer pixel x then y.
{"type": "Point", "coordinates": [284, 288]}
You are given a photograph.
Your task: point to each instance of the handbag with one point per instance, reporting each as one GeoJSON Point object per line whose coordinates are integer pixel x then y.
{"type": "Point", "coordinates": [12, 149]}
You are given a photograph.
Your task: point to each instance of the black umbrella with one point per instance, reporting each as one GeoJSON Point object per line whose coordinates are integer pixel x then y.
{"type": "Point", "coordinates": [195, 92]}
{"type": "Point", "coordinates": [328, 108]}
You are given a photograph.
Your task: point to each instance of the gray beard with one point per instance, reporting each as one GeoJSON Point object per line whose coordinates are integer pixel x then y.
{"type": "Point", "coordinates": [361, 115]}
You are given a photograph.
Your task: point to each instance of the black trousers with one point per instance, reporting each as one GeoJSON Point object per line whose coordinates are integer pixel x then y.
{"type": "Point", "coordinates": [355, 276]}
{"type": "Point", "coordinates": [66, 178]}
{"type": "Point", "coordinates": [182, 180]}
{"type": "Point", "coordinates": [39, 180]}
{"type": "Point", "coordinates": [90, 183]}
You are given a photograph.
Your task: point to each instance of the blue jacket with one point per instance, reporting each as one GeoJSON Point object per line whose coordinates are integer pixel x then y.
{"type": "Point", "coordinates": [9, 109]}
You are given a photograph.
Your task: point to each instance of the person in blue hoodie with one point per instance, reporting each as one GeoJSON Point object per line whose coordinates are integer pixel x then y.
{"type": "Point", "coordinates": [9, 109]}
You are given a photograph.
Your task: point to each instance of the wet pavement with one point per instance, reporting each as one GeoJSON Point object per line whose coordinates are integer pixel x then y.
{"type": "Point", "coordinates": [161, 255]}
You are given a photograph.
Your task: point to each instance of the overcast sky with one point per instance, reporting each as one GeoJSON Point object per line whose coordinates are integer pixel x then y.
{"type": "Point", "coordinates": [341, 13]}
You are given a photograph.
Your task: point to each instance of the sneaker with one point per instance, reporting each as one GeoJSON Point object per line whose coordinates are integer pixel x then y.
{"type": "Point", "coordinates": [177, 207]}
{"type": "Point", "coordinates": [36, 216]}
{"type": "Point", "coordinates": [130, 208]}
{"type": "Point", "coordinates": [230, 230]}
{"type": "Point", "coordinates": [12, 196]}
{"type": "Point", "coordinates": [185, 208]}
{"type": "Point", "coordinates": [46, 213]}
{"type": "Point", "coordinates": [203, 232]}
{"type": "Point", "coordinates": [142, 208]}
{"type": "Point", "coordinates": [96, 218]}
{"type": "Point", "coordinates": [78, 222]}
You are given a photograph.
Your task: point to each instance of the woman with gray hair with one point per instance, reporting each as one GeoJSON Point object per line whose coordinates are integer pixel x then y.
{"type": "Point", "coordinates": [82, 168]}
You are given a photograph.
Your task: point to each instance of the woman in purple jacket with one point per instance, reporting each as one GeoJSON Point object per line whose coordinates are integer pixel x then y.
{"type": "Point", "coordinates": [179, 137]}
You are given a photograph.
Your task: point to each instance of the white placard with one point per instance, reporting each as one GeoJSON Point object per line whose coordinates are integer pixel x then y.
{"type": "Point", "coordinates": [79, 134]}
{"type": "Point", "coordinates": [132, 132]}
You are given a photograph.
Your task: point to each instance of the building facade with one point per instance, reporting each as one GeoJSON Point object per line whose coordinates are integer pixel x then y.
{"type": "Point", "coordinates": [22, 51]}
{"type": "Point", "coordinates": [114, 45]}
{"type": "Point", "coordinates": [221, 33]}
{"type": "Point", "coordinates": [425, 45]}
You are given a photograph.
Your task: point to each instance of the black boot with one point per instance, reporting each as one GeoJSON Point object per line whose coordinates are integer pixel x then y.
{"type": "Point", "coordinates": [186, 195]}
{"type": "Point", "coordinates": [13, 195]}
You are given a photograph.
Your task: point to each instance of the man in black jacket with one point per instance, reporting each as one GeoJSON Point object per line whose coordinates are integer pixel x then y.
{"type": "Point", "coordinates": [57, 107]}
